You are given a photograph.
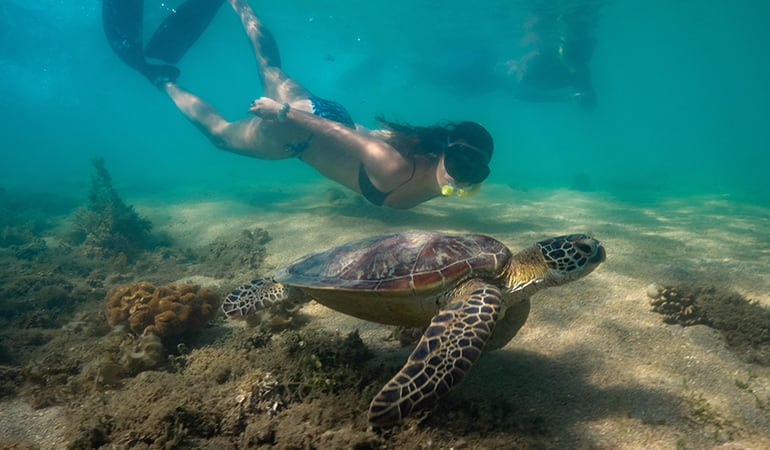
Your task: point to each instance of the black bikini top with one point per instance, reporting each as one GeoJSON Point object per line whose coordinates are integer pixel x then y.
{"type": "Point", "coordinates": [370, 192]}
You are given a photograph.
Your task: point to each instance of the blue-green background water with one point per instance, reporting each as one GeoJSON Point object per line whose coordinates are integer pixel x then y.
{"type": "Point", "coordinates": [682, 87]}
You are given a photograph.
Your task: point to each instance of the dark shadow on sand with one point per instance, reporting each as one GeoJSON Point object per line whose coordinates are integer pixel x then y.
{"type": "Point", "coordinates": [521, 392]}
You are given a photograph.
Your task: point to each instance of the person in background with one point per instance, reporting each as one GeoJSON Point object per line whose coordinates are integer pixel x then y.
{"type": "Point", "coordinates": [562, 43]}
{"type": "Point", "coordinates": [397, 165]}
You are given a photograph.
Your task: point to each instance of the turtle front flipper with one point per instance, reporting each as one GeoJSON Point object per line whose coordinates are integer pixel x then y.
{"type": "Point", "coordinates": [259, 295]}
{"type": "Point", "coordinates": [447, 350]}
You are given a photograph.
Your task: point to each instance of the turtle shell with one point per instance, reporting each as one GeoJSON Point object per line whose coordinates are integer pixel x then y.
{"type": "Point", "coordinates": [403, 264]}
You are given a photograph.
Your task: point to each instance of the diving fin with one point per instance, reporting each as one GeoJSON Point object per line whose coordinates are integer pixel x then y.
{"type": "Point", "coordinates": [123, 28]}
{"type": "Point", "coordinates": [181, 29]}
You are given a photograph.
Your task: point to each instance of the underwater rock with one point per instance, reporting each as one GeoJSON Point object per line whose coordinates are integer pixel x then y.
{"type": "Point", "coordinates": [320, 361]}
{"type": "Point", "coordinates": [744, 324]}
{"type": "Point", "coordinates": [165, 310]}
{"type": "Point", "coordinates": [31, 250]}
{"type": "Point", "coordinates": [107, 227]}
{"type": "Point", "coordinates": [10, 378]}
{"type": "Point", "coordinates": [34, 296]}
{"type": "Point", "coordinates": [147, 352]}
{"type": "Point", "coordinates": [15, 235]}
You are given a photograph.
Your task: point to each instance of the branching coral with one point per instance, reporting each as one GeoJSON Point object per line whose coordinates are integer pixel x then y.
{"type": "Point", "coordinates": [165, 310]}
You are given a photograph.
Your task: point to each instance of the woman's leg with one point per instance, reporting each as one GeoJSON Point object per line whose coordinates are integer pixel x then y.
{"type": "Point", "coordinates": [276, 84]}
{"type": "Point", "coordinates": [243, 136]}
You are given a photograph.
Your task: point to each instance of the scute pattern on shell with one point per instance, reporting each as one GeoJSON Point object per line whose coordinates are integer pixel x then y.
{"type": "Point", "coordinates": [415, 261]}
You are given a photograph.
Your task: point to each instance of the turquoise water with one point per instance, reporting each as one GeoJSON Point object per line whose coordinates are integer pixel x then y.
{"type": "Point", "coordinates": [683, 99]}
{"type": "Point", "coordinates": [669, 171]}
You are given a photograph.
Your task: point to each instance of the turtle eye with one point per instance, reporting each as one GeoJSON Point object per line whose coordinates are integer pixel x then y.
{"type": "Point", "coordinates": [591, 249]}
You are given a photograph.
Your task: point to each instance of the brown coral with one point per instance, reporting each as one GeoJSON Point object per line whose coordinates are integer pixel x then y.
{"type": "Point", "coordinates": [675, 306]}
{"type": "Point", "coordinates": [745, 324]}
{"type": "Point", "coordinates": [165, 310]}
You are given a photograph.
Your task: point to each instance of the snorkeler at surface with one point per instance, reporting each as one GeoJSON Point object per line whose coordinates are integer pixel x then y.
{"type": "Point", "coordinates": [399, 165]}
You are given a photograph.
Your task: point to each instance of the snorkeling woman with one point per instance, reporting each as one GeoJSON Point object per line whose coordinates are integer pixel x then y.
{"type": "Point", "coordinates": [399, 165]}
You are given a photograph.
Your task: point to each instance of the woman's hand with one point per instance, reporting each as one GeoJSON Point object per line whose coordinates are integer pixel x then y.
{"type": "Point", "coordinates": [267, 108]}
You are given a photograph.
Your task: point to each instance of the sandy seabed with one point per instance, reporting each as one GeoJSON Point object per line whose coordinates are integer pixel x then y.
{"type": "Point", "coordinates": [593, 367]}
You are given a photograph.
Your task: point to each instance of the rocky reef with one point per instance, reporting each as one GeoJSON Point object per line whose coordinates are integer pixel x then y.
{"type": "Point", "coordinates": [164, 311]}
{"type": "Point", "coordinates": [254, 389]}
{"type": "Point", "coordinates": [138, 335]}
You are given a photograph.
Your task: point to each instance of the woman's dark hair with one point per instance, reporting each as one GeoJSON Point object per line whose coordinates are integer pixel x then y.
{"type": "Point", "coordinates": [467, 146]}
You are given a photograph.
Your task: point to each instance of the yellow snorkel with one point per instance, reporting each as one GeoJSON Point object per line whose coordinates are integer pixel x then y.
{"type": "Point", "coordinates": [448, 190]}
{"type": "Point", "coordinates": [470, 191]}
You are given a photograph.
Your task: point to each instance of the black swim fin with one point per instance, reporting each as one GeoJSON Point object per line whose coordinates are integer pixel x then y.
{"type": "Point", "coordinates": [181, 29]}
{"type": "Point", "coordinates": [122, 20]}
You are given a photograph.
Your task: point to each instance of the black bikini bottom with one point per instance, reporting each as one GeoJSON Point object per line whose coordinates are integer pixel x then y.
{"type": "Point", "coordinates": [331, 110]}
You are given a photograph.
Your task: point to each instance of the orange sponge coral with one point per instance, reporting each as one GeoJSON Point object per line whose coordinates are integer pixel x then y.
{"type": "Point", "coordinates": [164, 310]}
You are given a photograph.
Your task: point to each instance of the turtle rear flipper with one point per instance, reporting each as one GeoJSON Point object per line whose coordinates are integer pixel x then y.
{"type": "Point", "coordinates": [446, 352]}
{"type": "Point", "coordinates": [258, 295]}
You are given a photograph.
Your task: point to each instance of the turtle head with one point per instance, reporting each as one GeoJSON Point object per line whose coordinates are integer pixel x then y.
{"type": "Point", "coordinates": [554, 262]}
{"type": "Point", "coordinates": [571, 257]}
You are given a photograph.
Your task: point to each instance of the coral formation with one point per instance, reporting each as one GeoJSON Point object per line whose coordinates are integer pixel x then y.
{"type": "Point", "coordinates": [744, 324]}
{"type": "Point", "coordinates": [675, 307]}
{"type": "Point", "coordinates": [107, 227]}
{"type": "Point", "coordinates": [165, 310]}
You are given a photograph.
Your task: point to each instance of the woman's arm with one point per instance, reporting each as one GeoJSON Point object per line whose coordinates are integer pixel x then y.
{"type": "Point", "coordinates": [386, 167]}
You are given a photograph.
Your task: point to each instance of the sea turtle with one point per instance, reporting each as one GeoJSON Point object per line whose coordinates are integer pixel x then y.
{"type": "Point", "coordinates": [469, 290]}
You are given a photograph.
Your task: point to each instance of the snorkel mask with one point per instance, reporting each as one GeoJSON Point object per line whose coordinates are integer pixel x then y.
{"type": "Point", "coordinates": [463, 164]}
{"type": "Point", "coordinates": [467, 152]}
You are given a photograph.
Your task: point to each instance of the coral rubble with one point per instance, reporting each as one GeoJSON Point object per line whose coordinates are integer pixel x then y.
{"type": "Point", "coordinates": [165, 310]}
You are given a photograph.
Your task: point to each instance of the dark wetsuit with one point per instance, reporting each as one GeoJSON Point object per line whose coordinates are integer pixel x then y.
{"type": "Point", "coordinates": [334, 111]}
